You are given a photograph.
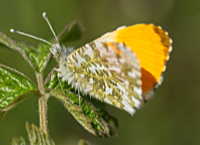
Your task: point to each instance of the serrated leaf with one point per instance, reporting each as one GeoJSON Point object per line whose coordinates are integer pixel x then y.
{"type": "Point", "coordinates": [71, 32]}
{"type": "Point", "coordinates": [5, 40]}
{"type": "Point", "coordinates": [18, 141]}
{"type": "Point", "coordinates": [111, 120]}
{"type": "Point", "coordinates": [36, 57]}
{"type": "Point", "coordinates": [37, 136]}
{"type": "Point", "coordinates": [83, 142]}
{"type": "Point", "coordinates": [74, 110]}
{"type": "Point", "coordinates": [86, 114]}
{"type": "Point", "coordinates": [39, 57]}
{"type": "Point", "coordinates": [2, 114]}
{"type": "Point", "coordinates": [14, 87]}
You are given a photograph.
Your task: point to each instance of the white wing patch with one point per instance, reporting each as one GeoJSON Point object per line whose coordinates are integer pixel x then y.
{"type": "Point", "coordinates": [107, 71]}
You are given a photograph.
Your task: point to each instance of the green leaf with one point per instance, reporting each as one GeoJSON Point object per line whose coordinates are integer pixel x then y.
{"type": "Point", "coordinates": [83, 142]}
{"type": "Point", "coordinates": [111, 120]}
{"type": "Point", "coordinates": [37, 136]}
{"type": "Point", "coordinates": [86, 114]}
{"type": "Point", "coordinates": [36, 57]}
{"type": "Point", "coordinates": [74, 110]}
{"type": "Point", "coordinates": [5, 40]}
{"type": "Point", "coordinates": [71, 32]}
{"type": "Point", "coordinates": [14, 87]}
{"type": "Point", "coordinates": [18, 141]}
{"type": "Point", "coordinates": [2, 114]}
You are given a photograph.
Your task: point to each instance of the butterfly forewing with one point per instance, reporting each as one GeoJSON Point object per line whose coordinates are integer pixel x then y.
{"type": "Point", "coordinates": [109, 72]}
{"type": "Point", "coordinates": [151, 44]}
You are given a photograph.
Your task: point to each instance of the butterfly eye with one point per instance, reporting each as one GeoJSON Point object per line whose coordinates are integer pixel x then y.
{"type": "Point", "coordinates": [57, 55]}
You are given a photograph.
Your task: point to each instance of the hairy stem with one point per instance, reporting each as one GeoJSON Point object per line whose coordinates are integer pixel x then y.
{"type": "Point", "coordinates": [42, 104]}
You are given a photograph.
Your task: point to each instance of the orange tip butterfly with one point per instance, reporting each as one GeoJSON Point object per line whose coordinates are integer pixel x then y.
{"type": "Point", "coordinates": [122, 68]}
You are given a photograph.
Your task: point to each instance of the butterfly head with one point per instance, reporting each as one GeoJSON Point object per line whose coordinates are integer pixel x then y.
{"type": "Point", "coordinates": [60, 52]}
{"type": "Point", "coordinates": [56, 50]}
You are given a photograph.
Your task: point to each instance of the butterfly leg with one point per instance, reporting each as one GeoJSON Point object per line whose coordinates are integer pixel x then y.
{"type": "Point", "coordinates": [79, 100]}
{"type": "Point", "coordinates": [55, 69]}
{"type": "Point", "coordinates": [60, 84]}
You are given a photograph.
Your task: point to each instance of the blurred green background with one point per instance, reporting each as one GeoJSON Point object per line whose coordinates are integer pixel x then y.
{"type": "Point", "coordinates": [171, 117]}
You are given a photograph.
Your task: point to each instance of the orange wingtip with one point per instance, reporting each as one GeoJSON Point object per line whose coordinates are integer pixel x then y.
{"type": "Point", "coordinates": [152, 46]}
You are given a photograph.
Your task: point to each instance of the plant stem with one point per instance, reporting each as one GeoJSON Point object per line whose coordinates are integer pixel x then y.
{"type": "Point", "coordinates": [42, 104]}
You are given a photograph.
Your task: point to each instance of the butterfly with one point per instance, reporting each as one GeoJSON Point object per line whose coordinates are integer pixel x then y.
{"type": "Point", "coordinates": [122, 68]}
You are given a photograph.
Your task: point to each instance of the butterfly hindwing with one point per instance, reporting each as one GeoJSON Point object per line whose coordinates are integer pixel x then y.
{"type": "Point", "coordinates": [109, 72]}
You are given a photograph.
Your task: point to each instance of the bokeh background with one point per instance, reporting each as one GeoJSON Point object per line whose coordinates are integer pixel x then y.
{"type": "Point", "coordinates": [171, 117]}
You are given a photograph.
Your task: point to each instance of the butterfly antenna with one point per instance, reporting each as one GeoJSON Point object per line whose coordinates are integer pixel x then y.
{"type": "Point", "coordinates": [29, 35]}
{"type": "Point", "coordinates": [47, 20]}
